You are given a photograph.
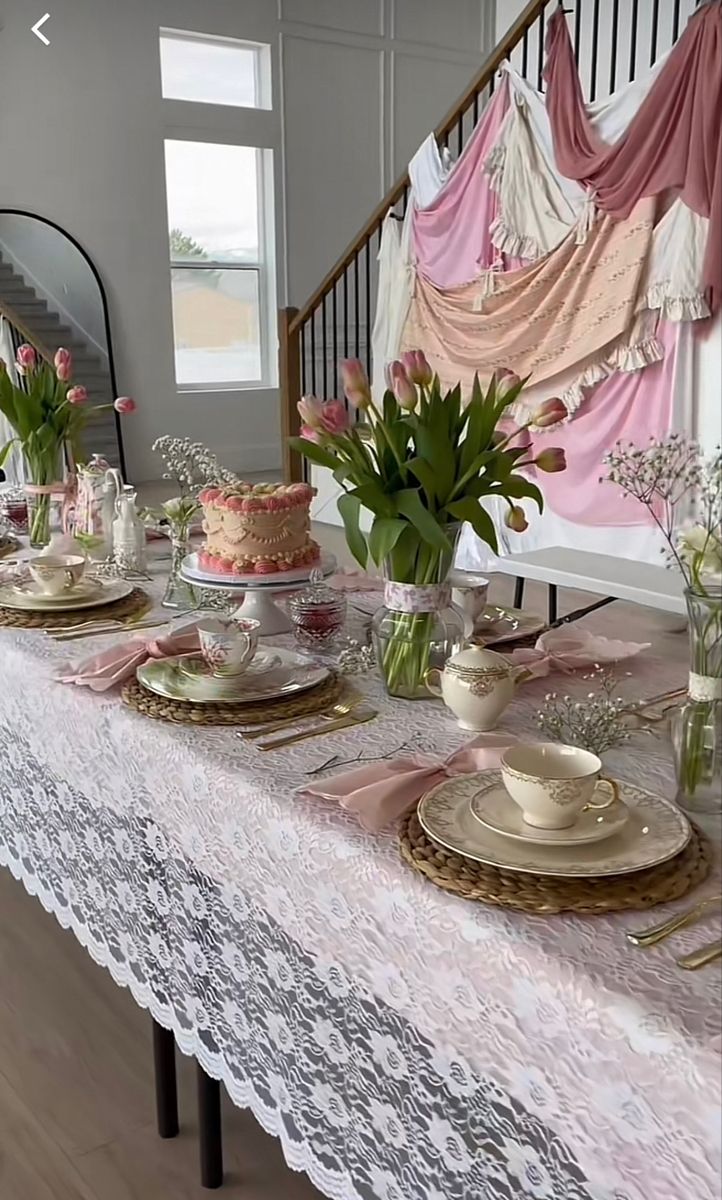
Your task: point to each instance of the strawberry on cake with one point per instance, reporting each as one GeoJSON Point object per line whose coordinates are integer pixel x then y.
{"type": "Point", "coordinates": [259, 528]}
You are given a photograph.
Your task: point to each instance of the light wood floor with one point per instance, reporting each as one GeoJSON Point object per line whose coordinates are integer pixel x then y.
{"type": "Point", "coordinates": [77, 1115]}
{"type": "Point", "coordinates": [77, 1118]}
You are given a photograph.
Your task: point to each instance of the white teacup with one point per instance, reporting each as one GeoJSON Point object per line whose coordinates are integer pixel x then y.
{"type": "Point", "coordinates": [54, 573]}
{"type": "Point", "coordinates": [553, 783]}
{"type": "Point", "coordinates": [228, 644]}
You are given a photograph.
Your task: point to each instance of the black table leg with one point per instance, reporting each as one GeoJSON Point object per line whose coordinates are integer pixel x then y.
{"type": "Point", "coordinates": [166, 1094]}
{"type": "Point", "coordinates": [209, 1120]}
{"type": "Point", "coordinates": [519, 592]}
{"type": "Point", "coordinates": [552, 603]}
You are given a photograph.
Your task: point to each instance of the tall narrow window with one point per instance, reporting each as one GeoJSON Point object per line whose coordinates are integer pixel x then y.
{"type": "Point", "coordinates": [219, 270]}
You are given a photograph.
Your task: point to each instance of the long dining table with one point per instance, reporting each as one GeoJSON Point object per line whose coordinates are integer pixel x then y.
{"type": "Point", "coordinates": [402, 1043]}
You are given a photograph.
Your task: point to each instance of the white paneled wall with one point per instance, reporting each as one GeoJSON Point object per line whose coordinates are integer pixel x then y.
{"type": "Point", "coordinates": [356, 85]}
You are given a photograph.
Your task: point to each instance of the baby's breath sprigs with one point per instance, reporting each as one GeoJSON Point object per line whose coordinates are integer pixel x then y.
{"type": "Point", "coordinates": [596, 723]}
{"type": "Point", "coordinates": [682, 491]}
{"type": "Point", "coordinates": [191, 464]}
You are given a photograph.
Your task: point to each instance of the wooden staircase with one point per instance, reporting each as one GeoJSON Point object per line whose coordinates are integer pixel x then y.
{"type": "Point", "coordinates": [612, 45]}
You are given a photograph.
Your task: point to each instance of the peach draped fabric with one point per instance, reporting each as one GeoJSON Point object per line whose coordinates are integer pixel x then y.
{"type": "Point", "coordinates": [674, 141]}
{"type": "Point", "coordinates": [545, 318]}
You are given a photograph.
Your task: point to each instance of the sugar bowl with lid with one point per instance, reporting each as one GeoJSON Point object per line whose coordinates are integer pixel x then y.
{"type": "Point", "coordinates": [477, 685]}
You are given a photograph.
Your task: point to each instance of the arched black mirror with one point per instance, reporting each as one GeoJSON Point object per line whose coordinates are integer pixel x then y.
{"type": "Point", "coordinates": [51, 295]}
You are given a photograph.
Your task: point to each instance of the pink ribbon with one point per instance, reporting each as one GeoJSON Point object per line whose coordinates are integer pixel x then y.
{"type": "Point", "coordinates": [380, 792]}
{"type": "Point", "coordinates": [121, 661]}
{"type": "Point", "coordinates": [565, 650]}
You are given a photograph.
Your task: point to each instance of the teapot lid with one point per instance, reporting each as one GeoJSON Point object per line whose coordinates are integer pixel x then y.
{"type": "Point", "coordinates": [477, 658]}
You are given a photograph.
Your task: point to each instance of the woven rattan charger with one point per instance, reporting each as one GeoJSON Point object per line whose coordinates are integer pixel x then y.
{"type": "Point", "coordinates": [131, 605]}
{"type": "Point", "coordinates": [550, 894]}
{"type": "Point", "coordinates": [182, 713]}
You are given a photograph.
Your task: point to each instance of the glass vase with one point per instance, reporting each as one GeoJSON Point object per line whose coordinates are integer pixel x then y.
{"type": "Point", "coordinates": [697, 726]}
{"type": "Point", "coordinates": [178, 594]}
{"type": "Point", "coordinates": [44, 496]}
{"type": "Point", "coordinates": [417, 627]}
{"type": "Point", "coordinates": [43, 518]}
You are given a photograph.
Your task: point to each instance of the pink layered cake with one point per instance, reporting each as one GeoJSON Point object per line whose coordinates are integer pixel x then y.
{"type": "Point", "coordinates": [257, 528]}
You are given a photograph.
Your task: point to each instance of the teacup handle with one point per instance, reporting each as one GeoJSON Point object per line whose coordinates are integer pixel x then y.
{"type": "Point", "coordinates": [434, 688]}
{"type": "Point", "coordinates": [69, 581]}
{"type": "Point", "coordinates": [613, 798]}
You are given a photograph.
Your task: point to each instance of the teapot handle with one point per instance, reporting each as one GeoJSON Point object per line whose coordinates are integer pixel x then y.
{"type": "Point", "coordinates": [434, 688]}
{"type": "Point", "coordinates": [113, 475]}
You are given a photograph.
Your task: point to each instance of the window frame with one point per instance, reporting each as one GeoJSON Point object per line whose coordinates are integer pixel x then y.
{"type": "Point", "coordinates": [242, 126]}
{"type": "Point", "coordinates": [261, 67]}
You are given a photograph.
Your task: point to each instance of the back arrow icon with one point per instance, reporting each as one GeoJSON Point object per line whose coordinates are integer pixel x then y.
{"type": "Point", "coordinates": [36, 29]}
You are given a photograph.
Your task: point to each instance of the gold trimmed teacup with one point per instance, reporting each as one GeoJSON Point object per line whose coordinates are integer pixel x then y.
{"type": "Point", "coordinates": [553, 784]}
{"type": "Point", "coordinates": [56, 573]}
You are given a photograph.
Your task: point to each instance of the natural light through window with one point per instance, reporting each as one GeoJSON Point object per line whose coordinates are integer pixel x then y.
{"type": "Point", "coordinates": [216, 233]}
{"type": "Point", "coordinates": [210, 70]}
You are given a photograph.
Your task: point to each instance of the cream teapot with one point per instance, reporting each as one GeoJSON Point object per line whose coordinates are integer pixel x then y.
{"type": "Point", "coordinates": [477, 685]}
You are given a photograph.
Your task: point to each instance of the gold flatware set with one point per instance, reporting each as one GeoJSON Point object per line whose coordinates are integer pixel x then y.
{"type": "Point", "coordinates": [657, 933]}
{"type": "Point", "coordinates": [344, 714]}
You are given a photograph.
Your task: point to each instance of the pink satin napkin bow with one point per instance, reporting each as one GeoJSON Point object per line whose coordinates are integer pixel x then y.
{"type": "Point", "coordinates": [120, 662]}
{"type": "Point", "coordinates": [380, 792]}
{"type": "Point", "coordinates": [565, 650]}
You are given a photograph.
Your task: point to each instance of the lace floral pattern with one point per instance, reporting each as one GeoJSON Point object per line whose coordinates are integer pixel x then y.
{"type": "Point", "coordinates": [405, 1045]}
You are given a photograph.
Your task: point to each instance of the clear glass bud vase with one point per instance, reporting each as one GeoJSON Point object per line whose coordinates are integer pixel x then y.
{"type": "Point", "coordinates": [697, 725]}
{"type": "Point", "coordinates": [178, 593]}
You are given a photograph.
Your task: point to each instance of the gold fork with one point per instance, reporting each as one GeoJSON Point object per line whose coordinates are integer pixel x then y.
{"type": "Point", "coordinates": [341, 709]}
{"type": "Point", "coordinates": [360, 718]}
{"type": "Point", "coordinates": [655, 933]}
{"type": "Point", "coordinates": [700, 958]}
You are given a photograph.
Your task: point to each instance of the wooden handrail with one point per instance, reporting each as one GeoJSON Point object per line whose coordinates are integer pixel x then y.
{"type": "Point", "coordinates": [511, 39]}
{"type": "Point", "coordinates": [7, 311]}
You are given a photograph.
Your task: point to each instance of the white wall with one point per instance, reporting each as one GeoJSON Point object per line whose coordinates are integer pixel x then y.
{"type": "Point", "coordinates": [356, 84]}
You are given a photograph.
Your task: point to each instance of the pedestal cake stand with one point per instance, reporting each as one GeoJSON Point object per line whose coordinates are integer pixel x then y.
{"type": "Point", "coordinates": [256, 592]}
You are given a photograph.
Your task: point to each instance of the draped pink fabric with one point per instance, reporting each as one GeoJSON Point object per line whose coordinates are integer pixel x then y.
{"type": "Point", "coordinates": [625, 407]}
{"type": "Point", "coordinates": [674, 141]}
{"type": "Point", "coordinates": [451, 240]}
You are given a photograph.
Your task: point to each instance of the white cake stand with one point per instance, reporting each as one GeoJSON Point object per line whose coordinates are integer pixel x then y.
{"type": "Point", "coordinates": [256, 594]}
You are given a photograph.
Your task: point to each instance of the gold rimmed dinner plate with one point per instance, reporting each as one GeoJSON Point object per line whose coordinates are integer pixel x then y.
{"type": "Point", "coordinates": [107, 591]}
{"type": "Point", "coordinates": [655, 831]}
{"type": "Point", "coordinates": [292, 673]}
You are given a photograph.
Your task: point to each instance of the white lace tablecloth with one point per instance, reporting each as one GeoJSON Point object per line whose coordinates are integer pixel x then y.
{"type": "Point", "coordinates": [402, 1044]}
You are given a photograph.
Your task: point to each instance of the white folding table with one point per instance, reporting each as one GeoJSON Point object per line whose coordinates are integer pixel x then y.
{"type": "Point", "coordinates": [610, 577]}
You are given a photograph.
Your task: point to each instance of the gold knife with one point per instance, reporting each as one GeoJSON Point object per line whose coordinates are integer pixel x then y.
{"type": "Point", "coordinates": [328, 727]}
{"type": "Point", "coordinates": [655, 933]}
{"type": "Point", "coordinates": [700, 958]}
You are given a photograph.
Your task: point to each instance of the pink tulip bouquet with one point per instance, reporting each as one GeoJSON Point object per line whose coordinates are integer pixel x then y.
{"type": "Point", "coordinates": [48, 415]}
{"type": "Point", "coordinates": [423, 464]}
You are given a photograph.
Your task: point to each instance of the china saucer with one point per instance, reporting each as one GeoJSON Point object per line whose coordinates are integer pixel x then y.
{"type": "Point", "coordinates": [84, 589]}
{"type": "Point", "coordinates": [292, 673]}
{"type": "Point", "coordinates": [494, 808]}
{"type": "Point", "coordinates": [656, 831]}
{"type": "Point", "coordinates": [197, 668]}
